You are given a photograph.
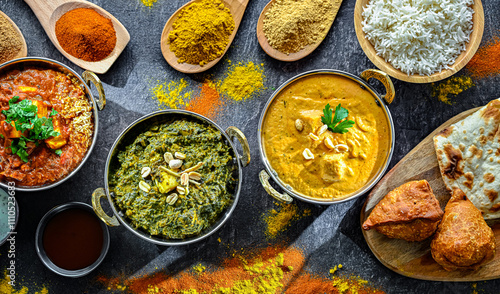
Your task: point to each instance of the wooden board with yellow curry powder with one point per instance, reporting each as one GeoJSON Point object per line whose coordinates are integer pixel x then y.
{"type": "Point", "coordinates": [331, 174]}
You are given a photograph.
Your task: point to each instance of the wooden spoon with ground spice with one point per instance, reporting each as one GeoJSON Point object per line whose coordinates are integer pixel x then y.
{"type": "Point", "coordinates": [201, 15]}
{"type": "Point", "coordinates": [12, 43]}
{"type": "Point", "coordinates": [49, 12]}
{"type": "Point", "coordinates": [295, 28]}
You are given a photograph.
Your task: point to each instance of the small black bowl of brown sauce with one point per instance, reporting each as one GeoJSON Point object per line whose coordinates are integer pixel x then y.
{"type": "Point", "coordinates": [71, 240]}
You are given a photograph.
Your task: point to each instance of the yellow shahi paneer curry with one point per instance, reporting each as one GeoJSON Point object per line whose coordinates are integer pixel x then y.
{"type": "Point", "coordinates": [307, 154]}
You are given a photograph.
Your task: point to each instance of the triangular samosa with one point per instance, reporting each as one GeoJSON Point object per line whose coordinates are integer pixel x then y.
{"type": "Point", "coordinates": [463, 240]}
{"type": "Point", "coordinates": [410, 212]}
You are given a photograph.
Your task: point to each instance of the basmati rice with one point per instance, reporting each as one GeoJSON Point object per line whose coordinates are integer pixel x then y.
{"type": "Point", "coordinates": [418, 36]}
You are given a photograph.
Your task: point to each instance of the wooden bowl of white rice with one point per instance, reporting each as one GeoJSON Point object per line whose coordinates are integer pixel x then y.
{"type": "Point", "coordinates": [419, 41]}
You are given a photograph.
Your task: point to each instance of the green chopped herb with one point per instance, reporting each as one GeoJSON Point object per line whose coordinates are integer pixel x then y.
{"type": "Point", "coordinates": [339, 123]}
{"type": "Point", "coordinates": [58, 152]}
{"type": "Point", "coordinates": [24, 116]}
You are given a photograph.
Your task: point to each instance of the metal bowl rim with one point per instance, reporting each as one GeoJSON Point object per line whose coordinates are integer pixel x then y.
{"type": "Point", "coordinates": [173, 242]}
{"type": "Point", "coordinates": [96, 121]}
{"type": "Point", "coordinates": [46, 260]}
{"type": "Point", "coordinates": [372, 181]}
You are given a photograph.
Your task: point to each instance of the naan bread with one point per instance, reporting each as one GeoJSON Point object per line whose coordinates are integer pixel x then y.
{"type": "Point", "coordinates": [468, 153]}
{"type": "Point", "coordinates": [410, 212]}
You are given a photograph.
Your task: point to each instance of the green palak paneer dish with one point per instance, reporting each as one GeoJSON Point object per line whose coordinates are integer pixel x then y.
{"type": "Point", "coordinates": [175, 179]}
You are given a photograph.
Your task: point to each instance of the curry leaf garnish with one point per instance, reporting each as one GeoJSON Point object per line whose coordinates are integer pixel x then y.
{"type": "Point", "coordinates": [24, 116]}
{"type": "Point", "coordinates": [337, 122]}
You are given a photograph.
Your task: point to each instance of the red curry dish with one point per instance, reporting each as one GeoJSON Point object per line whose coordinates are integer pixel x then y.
{"type": "Point", "coordinates": [62, 105]}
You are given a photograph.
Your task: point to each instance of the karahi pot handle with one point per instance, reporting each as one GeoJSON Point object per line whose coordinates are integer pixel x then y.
{"type": "Point", "coordinates": [89, 77]}
{"type": "Point", "coordinates": [96, 204]}
{"type": "Point", "coordinates": [384, 79]}
{"type": "Point", "coordinates": [264, 180]}
{"type": "Point", "coordinates": [234, 132]}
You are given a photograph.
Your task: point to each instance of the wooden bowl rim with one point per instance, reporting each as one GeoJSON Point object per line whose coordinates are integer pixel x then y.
{"type": "Point", "coordinates": [460, 62]}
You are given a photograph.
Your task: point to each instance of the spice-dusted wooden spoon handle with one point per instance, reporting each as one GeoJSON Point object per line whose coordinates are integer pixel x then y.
{"type": "Point", "coordinates": [24, 49]}
{"type": "Point", "coordinates": [264, 44]}
{"type": "Point", "coordinates": [237, 8]}
{"type": "Point", "coordinates": [49, 11]}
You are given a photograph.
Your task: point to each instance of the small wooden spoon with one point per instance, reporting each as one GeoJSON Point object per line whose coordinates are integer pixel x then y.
{"type": "Point", "coordinates": [292, 56]}
{"type": "Point", "coordinates": [24, 49]}
{"type": "Point", "coordinates": [237, 8]}
{"type": "Point", "coordinates": [49, 11]}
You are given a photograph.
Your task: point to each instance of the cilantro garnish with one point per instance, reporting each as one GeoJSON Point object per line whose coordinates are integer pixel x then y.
{"type": "Point", "coordinates": [24, 116]}
{"type": "Point", "coordinates": [58, 152]}
{"type": "Point", "coordinates": [339, 122]}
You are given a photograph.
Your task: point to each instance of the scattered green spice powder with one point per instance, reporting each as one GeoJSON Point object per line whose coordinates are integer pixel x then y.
{"type": "Point", "coordinates": [452, 86]}
{"type": "Point", "coordinates": [279, 220]}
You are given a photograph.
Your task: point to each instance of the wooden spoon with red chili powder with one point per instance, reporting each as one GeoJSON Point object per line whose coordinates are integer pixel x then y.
{"type": "Point", "coordinates": [86, 34]}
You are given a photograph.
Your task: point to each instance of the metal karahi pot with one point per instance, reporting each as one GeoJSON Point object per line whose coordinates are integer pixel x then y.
{"type": "Point", "coordinates": [382, 101]}
{"type": "Point", "coordinates": [85, 81]}
{"type": "Point", "coordinates": [130, 132]}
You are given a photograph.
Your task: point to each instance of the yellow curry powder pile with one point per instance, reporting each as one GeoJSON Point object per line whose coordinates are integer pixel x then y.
{"type": "Point", "coordinates": [148, 3]}
{"type": "Point", "coordinates": [452, 86]}
{"type": "Point", "coordinates": [486, 61]}
{"type": "Point", "coordinates": [271, 270]}
{"type": "Point", "coordinates": [201, 32]}
{"type": "Point", "coordinates": [279, 220]}
{"type": "Point", "coordinates": [208, 103]}
{"type": "Point", "coordinates": [243, 81]}
{"type": "Point", "coordinates": [290, 25]}
{"type": "Point", "coordinates": [6, 288]}
{"type": "Point", "coordinates": [171, 95]}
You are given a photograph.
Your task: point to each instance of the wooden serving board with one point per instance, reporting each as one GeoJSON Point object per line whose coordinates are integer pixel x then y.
{"type": "Point", "coordinates": [413, 259]}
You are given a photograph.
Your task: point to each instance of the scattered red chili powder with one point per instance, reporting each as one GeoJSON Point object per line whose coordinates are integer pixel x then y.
{"type": "Point", "coordinates": [486, 61]}
{"type": "Point", "coordinates": [208, 103]}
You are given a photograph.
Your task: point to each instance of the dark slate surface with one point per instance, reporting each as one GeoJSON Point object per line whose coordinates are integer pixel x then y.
{"type": "Point", "coordinates": [331, 235]}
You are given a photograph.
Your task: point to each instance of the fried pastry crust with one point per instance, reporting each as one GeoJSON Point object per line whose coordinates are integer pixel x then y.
{"type": "Point", "coordinates": [463, 240]}
{"type": "Point", "coordinates": [410, 212]}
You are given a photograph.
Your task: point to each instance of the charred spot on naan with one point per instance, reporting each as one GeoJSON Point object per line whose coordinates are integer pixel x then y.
{"type": "Point", "coordinates": [469, 180]}
{"type": "Point", "coordinates": [492, 194]}
{"type": "Point", "coordinates": [492, 110]}
{"type": "Point", "coordinates": [495, 208]}
{"type": "Point", "coordinates": [453, 169]}
{"type": "Point", "coordinates": [446, 132]}
{"type": "Point", "coordinates": [475, 151]}
{"type": "Point", "coordinates": [489, 177]}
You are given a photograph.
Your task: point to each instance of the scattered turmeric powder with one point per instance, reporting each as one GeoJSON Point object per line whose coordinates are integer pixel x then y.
{"type": "Point", "coordinates": [452, 86]}
{"type": "Point", "coordinates": [171, 95]}
{"type": "Point", "coordinates": [7, 288]}
{"type": "Point", "coordinates": [474, 288]}
{"type": "Point", "coordinates": [199, 268]}
{"type": "Point", "coordinates": [243, 81]}
{"type": "Point", "coordinates": [148, 3]}
{"type": "Point", "coordinates": [335, 268]}
{"type": "Point", "coordinates": [278, 221]}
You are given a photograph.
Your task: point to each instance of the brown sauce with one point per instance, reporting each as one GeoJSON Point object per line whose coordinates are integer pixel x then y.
{"type": "Point", "coordinates": [73, 239]}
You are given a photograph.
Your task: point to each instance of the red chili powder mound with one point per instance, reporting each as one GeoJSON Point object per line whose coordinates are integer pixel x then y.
{"type": "Point", "coordinates": [208, 103]}
{"type": "Point", "coordinates": [274, 269]}
{"type": "Point", "coordinates": [486, 61]}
